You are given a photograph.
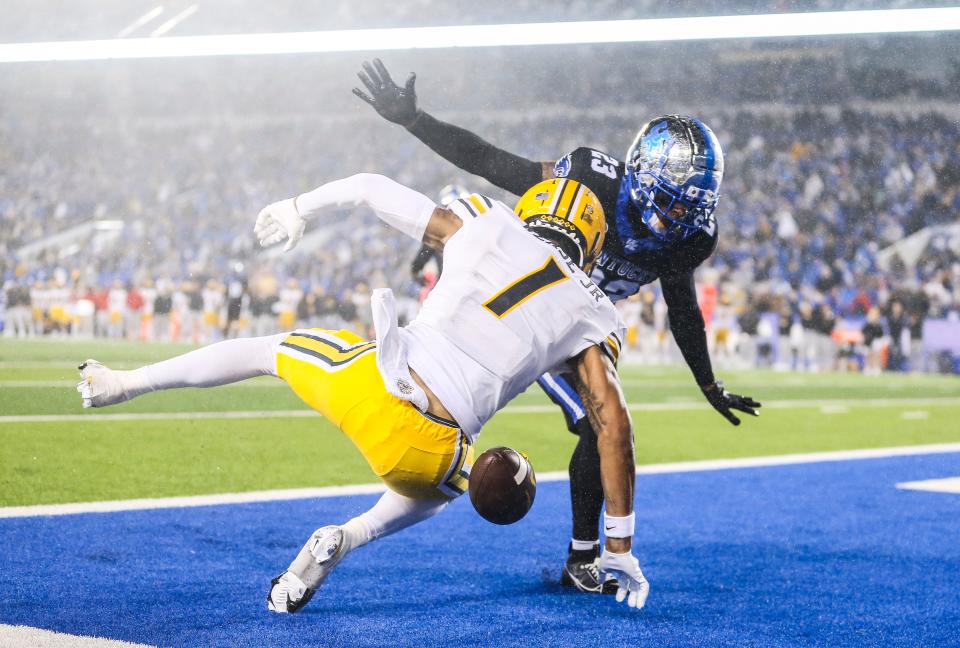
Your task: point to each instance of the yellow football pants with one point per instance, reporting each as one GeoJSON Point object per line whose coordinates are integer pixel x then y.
{"type": "Point", "coordinates": [414, 453]}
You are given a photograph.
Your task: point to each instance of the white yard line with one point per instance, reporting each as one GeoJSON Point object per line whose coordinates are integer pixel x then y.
{"type": "Point", "coordinates": [948, 485]}
{"type": "Point", "coordinates": [889, 385]}
{"type": "Point", "coordinates": [27, 637]}
{"type": "Point", "coordinates": [58, 364]}
{"type": "Point", "coordinates": [827, 406]}
{"type": "Point", "coordinates": [365, 489]}
{"type": "Point", "coordinates": [834, 409]}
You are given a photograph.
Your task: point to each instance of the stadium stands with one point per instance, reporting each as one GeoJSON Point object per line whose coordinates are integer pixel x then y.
{"type": "Point", "coordinates": [824, 172]}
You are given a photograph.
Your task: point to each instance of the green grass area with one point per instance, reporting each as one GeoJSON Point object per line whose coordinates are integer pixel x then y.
{"type": "Point", "coordinates": [100, 459]}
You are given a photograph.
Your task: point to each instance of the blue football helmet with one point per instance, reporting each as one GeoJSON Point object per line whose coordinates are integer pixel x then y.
{"type": "Point", "coordinates": [673, 173]}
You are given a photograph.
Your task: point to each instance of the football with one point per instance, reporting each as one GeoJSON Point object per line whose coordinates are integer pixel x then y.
{"type": "Point", "coordinates": [502, 485]}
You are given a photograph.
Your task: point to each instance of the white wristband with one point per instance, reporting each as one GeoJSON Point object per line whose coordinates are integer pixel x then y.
{"type": "Point", "coordinates": [618, 527]}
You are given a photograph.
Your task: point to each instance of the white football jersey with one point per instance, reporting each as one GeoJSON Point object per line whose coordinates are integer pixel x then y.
{"type": "Point", "coordinates": [509, 307]}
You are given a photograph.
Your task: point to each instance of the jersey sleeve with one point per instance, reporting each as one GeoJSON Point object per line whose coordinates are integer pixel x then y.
{"type": "Point", "coordinates": [475, 155]}
{"type": "Point", "coordinates": [578, 164]}
{"type": "Point", "coordinates": [470, 207]}
{"type": "Point", "coordinates": [612, 346]}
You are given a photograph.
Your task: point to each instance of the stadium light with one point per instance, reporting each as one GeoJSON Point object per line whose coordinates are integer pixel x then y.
{"type": "Point", "coordinates": [832, 23]}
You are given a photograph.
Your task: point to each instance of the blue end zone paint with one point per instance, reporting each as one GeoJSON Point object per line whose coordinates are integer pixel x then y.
{"type": "Point", "coordinates": [819, 554]}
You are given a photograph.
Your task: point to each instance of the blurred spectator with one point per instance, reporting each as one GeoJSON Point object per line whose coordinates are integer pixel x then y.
{"type": "Point", "coordinates": [874, 342]}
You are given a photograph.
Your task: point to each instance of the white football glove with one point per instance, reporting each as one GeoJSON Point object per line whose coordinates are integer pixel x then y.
{"type": "Point", "coordinates": [625, 568]}
{"type": "Point", "coordinates": [278, 221]}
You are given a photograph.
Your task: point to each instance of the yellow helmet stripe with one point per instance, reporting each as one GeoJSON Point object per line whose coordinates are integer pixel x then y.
{"type": "Point", "coordinates": [569, 192]}
{"type": "Point", "coordinates": [577, 203]}
{"type": "Point", "coordinates": [557, 192]}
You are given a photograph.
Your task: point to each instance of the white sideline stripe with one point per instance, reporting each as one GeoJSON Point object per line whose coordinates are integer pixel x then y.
{"type": "Point", "coordinates": [824, 405]}
{"type": "Point", "coordinates": [27, 637]}
{"type": "Point", "coordinates": [189, 501]}
{"type": "Point", "coordinates": [919, 415]}
{"type": "Point", "coordinates": [37, 383]}
{"type": "Point", "coordinates": [948, 485]}
{"type": "Point", "coordinates": [73, 383]}
{"type": "Point", "coordinates": [559, 475]}
{"type": "Point", "coordinates": [626, 382]}
{"type": "Point", "coordinates": [157, 416]}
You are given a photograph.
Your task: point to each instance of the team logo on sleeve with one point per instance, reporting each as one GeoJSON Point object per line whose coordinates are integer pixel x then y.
{"type": "Point", "coordinates": [562, 168]}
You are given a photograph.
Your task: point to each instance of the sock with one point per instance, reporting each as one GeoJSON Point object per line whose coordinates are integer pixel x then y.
{"type": "Point", "coordinates": [583, 545]}
{"type": "Point", "coordinates": [217, 364]}
{"type": "Point", "coordinates": [583, 551]}
{"type": "Point", "coordinates": [394, 512]}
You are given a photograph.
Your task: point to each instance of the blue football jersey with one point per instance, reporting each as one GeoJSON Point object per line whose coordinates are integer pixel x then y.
{"type": "Point", "coordinates": [632, 256]}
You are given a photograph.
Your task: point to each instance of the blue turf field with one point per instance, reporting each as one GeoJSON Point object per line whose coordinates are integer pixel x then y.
{"type": "Point", "coordinates": [816, 554]}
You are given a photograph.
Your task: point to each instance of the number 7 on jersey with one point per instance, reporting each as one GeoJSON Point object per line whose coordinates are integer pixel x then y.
{"type": "Point", "coordinates": [525, 287]}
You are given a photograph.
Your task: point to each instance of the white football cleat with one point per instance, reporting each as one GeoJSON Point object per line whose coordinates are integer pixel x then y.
{"type": "Point", "coordinates": [287, 594]}
{"type": "Point", "coordinates": [100, 386]}
{"type": "Point", "coordinates": [292, 589]}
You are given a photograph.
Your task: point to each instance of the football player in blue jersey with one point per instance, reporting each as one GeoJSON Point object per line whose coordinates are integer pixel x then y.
{"type": "Point", "coordinates": [660, 207]}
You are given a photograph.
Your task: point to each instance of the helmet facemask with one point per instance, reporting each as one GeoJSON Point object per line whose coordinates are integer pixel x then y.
{"type": "Point", "coordinates": [568, 239]}
{"type": "Point", "coordinates": [669, 216]}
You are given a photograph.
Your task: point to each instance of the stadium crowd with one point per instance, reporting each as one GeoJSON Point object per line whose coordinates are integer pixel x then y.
{"type": "Point", "coordinates": [809, 200]}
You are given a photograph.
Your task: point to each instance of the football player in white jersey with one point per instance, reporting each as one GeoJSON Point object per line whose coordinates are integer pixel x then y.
{"type": "Point", "coordinates": [513, 302]}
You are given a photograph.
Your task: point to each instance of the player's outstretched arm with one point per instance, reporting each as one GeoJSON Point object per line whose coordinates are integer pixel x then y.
{"type": "Point", "coordinates": [686, 323]}
{"type": "Point", "coordinates": [400, 207]}
{"type": "Point", "coordinates": [459, 146]}
{"type": "Point", "coordinates": [603, 399]}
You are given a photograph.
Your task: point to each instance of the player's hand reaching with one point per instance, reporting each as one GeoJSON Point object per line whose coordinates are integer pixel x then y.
{"type": "Point", "coordinates": [626, 569]}
{"type": "Point", "coordinates": [723, 401]}
{"type": "Point", "coordinates": [278, 221]}
{"type": "Point", "coordinates": [392, 102]}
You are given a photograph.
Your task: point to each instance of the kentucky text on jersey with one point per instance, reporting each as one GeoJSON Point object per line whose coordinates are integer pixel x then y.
{"type": "Point", "coordinates": [608, 265]}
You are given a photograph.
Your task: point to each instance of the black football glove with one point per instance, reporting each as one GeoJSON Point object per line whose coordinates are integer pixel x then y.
{"type": "Point", "coordinates": [723, 401]}
{"type": "Point", "coordinates": [392, 102]}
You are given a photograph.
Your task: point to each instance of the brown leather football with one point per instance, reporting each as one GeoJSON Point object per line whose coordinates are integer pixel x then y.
{"type": "Point", "coordinates": [502, 485]}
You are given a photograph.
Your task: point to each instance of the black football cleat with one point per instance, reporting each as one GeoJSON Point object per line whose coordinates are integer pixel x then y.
{"type": "Point", "coordinates": [581, 573]}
